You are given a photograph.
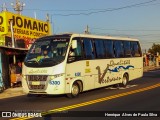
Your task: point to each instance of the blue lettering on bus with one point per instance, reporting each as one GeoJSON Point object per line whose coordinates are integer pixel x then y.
{"type": "Point", "coordinates": [116, 69]}
{"type": "Point", "coordinates": [54, 82]}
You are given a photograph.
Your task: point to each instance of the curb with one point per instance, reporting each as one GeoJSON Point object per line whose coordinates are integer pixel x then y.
{"type": "Point", "coordinates": [148, 68]}
{"type": "Point", "coordinates": [12, 92]}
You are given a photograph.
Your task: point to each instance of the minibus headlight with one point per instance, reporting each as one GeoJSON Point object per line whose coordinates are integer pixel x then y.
{"type": "Point", "coordinates": [23, 76]}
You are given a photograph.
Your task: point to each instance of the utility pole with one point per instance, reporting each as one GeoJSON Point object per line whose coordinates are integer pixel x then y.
{"type": "Point", "coordinates": [87, 30]}
{"type": "Point", "coordinates": [4, 8]}
{"type": "Point", "coordinates": [47, 17]}
{"type": "Point", "coordinates": [52, 23]}
{"type": "Point", "coordinates": [35, 15]}
{"type": "Point", "coordinates": [157, 60]}
{"type": "Point", "coordinates": [18, 7]}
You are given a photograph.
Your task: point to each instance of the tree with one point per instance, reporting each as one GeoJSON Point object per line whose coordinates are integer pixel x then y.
{"type": "Point", "coordinates": [154, 49]}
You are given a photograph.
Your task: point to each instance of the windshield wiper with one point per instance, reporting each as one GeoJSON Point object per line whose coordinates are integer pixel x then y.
{"type": "Point", "coordinates": [32, 61]}
{"type": "Point", "coordinates": [49, 60]}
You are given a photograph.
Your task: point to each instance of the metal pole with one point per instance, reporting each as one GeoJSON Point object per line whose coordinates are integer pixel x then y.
{"type": "Point", "coordinates": [13, 42]}
{"type": "Point", "coordinates": [53, 26]}
{"type": "Point", "coordinates": [12, 34]}
{"type": "Point", "coordinates": [87, 30]}
{"type": "Point", "coordinates": [4, 8]}
{"type": "Point", "coordinates": [157, 60]}
{"type": "Point", "coordinates": [35, 15]}
{"type": "Point", "coordinates": [14, 59]}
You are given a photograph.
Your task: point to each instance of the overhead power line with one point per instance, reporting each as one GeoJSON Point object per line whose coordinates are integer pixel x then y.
{"type": "Point", "coordinates": [108, 10]}
{"type": "Point", "coordinates": [80, 10]}
{"type": "Point", "coordinates": [124, 29]}
{"type": "Point", "coordinates": [129, 35]}
{"type": "Point", "coordinates": [88, 12]}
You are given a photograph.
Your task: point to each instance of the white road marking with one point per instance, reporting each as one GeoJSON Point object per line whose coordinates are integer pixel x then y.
{"type": "Point", "coordinates": [128, 86]}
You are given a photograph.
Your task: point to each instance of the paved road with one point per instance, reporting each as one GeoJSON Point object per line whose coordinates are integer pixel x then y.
{"type": "Point", "coordinates": [140, 95]}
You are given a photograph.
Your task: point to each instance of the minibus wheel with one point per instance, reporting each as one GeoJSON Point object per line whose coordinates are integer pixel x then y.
{"type": "Point", "coordinates": [75, 90]}
{"type": "Point", "coordinates": [124, 81]}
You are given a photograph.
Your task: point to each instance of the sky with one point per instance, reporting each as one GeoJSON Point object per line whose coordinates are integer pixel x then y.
{"type": "Point", "coordinates": [128, 18]}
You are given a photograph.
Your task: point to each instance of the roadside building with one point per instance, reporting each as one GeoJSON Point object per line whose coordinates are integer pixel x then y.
{"type": "Point", "coordinates": [17, 33]}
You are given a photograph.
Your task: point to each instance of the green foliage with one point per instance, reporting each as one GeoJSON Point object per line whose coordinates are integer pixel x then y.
{"type": "Point", "coordinates": [154, 49]}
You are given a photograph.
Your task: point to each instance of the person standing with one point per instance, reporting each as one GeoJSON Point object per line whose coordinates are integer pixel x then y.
{"type": "Point", "coordinates": [19, 73]}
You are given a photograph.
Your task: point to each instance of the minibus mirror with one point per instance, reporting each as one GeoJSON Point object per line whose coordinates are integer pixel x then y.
{"type": "Point", "coordinates": [74, 44]}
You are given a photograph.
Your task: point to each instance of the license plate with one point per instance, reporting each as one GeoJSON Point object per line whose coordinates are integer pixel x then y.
{"type": "Point", "coordinates": [35, 83]}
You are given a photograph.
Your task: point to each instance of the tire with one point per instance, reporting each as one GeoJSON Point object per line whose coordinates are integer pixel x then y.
{"type": "Point", "coordinates": [124, 81]}
{"type": "Point", "coordinates": [75, 90]}
{"type": "Point", "coordinates": [1, 89]}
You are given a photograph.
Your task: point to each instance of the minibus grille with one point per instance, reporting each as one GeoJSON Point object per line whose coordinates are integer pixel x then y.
{"type": "Point", "coordinates": [36, 87]}
{"type": "Point", "coordinates": [37, 77]}
{"type": "Point", "coordinates": [37, 82]}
